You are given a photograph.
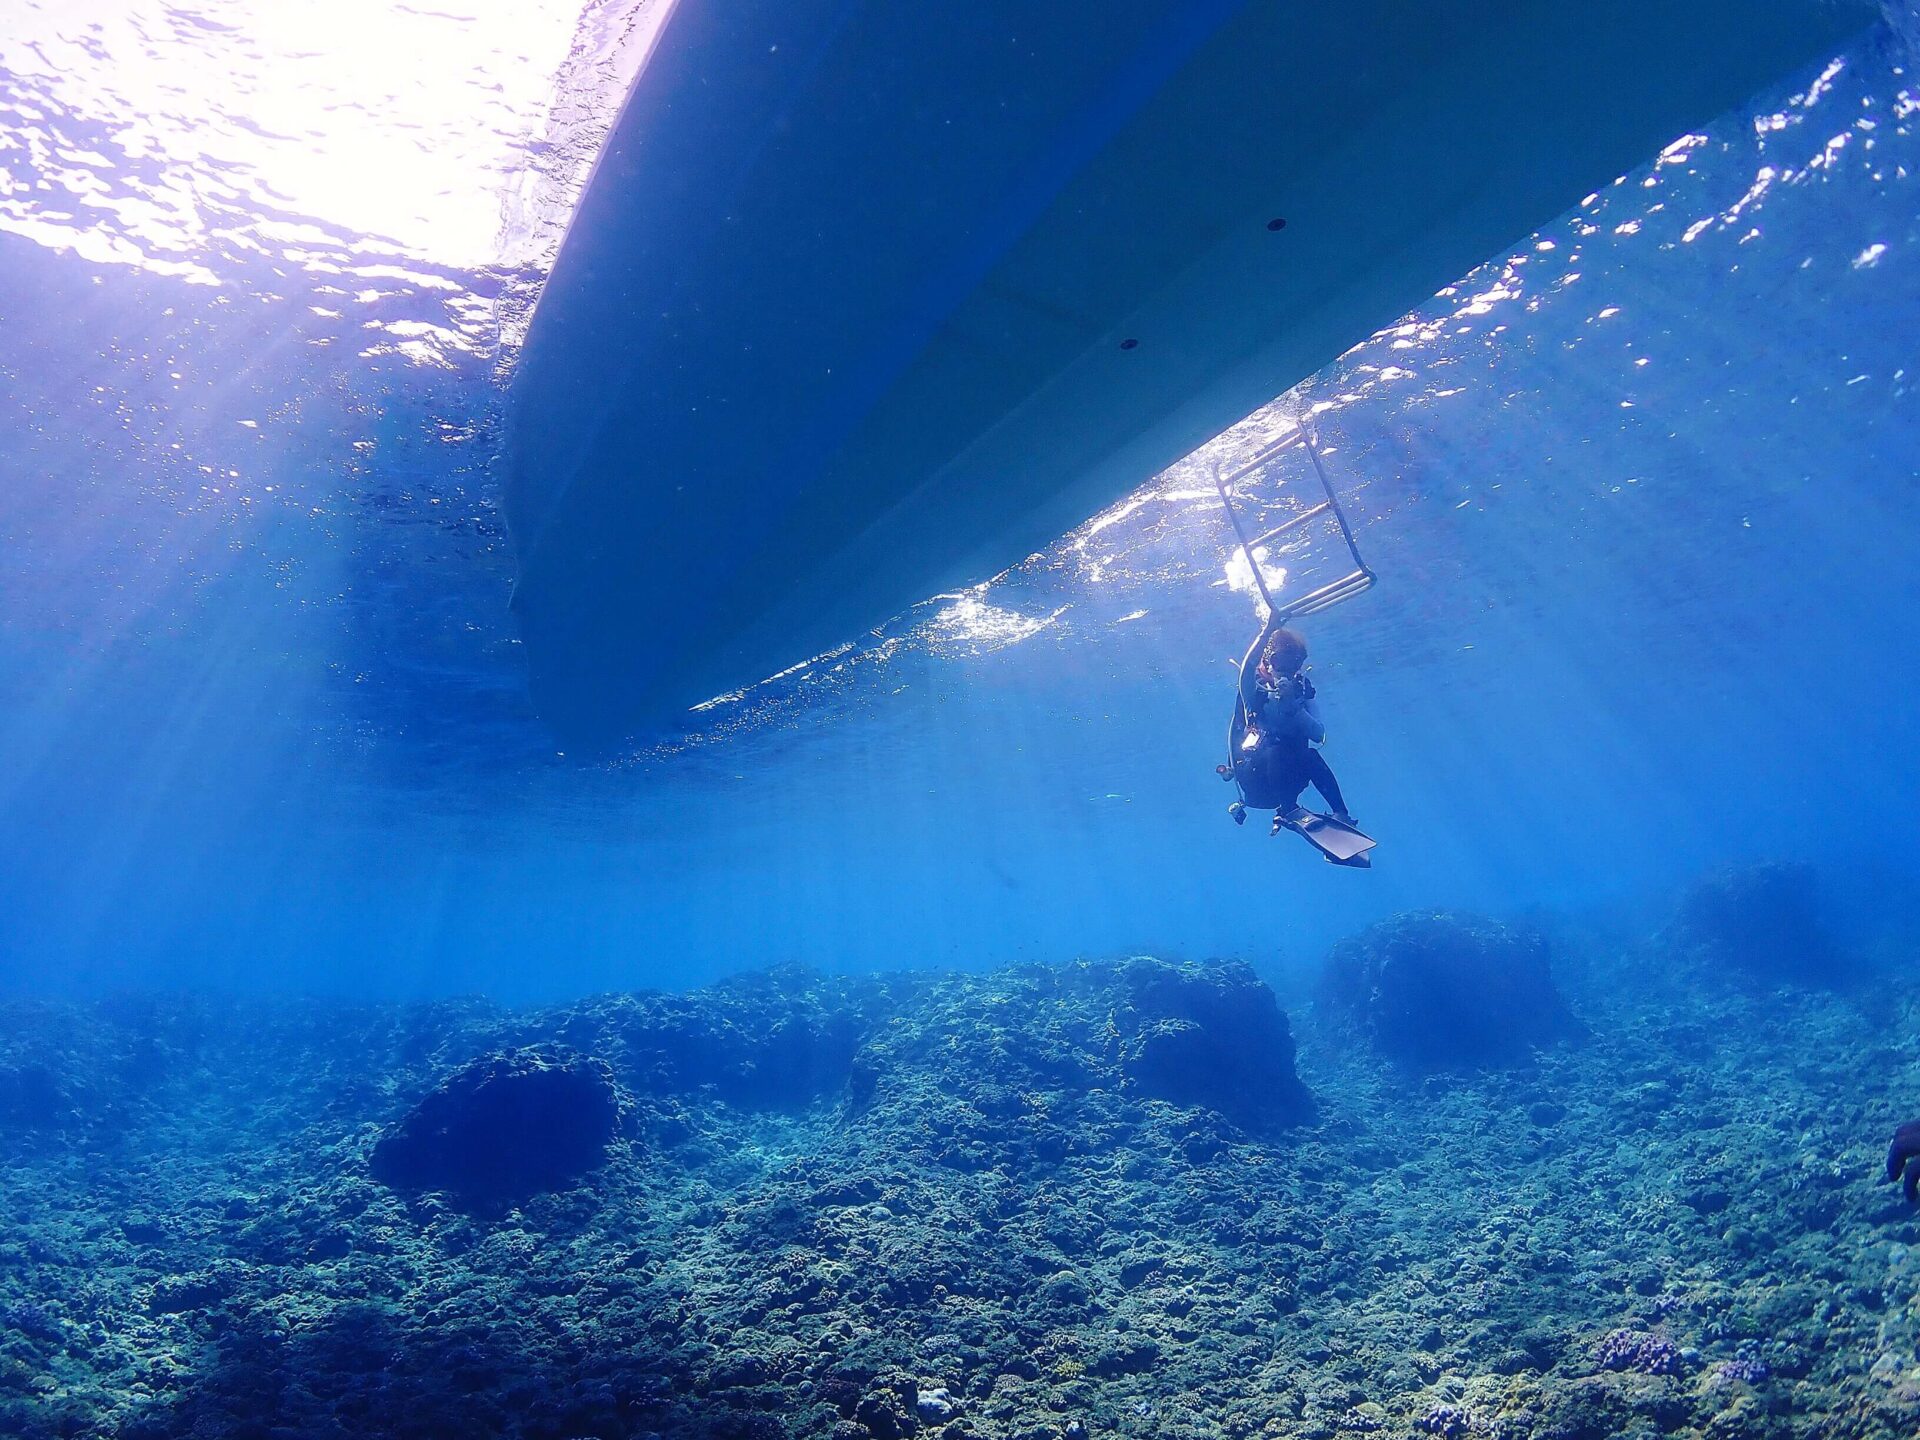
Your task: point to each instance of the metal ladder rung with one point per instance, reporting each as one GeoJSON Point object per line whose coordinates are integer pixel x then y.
{"type": "Point", "coordinates": [1261, 457]}
{"type": "Point", "coordinates": [1359, 579]}
{"type": "Point", "coordinates": [1293, 522]}
{"type": "Point", "coordinates": [1332, 593]}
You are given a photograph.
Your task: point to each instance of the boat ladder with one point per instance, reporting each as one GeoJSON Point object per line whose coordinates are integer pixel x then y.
{"type": "Point", "coordinates": [1355, 581]}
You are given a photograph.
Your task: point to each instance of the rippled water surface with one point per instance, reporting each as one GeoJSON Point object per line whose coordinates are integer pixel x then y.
{"type": "Point", "coordinates": [1640, 495]}
{"type": "Point", "coordinates": [178, 136]}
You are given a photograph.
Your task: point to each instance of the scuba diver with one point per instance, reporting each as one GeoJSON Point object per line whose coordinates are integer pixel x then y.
{"type": "Point", "coordinates": [1276, 725]}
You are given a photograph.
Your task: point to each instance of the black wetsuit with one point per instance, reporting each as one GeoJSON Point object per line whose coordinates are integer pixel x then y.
{"type": "Point", "coordinates": [1284, 763]}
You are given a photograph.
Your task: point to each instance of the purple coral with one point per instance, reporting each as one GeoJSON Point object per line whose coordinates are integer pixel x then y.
{"type": "Point", "coordinates": [1447, 1421]}
{"type": "Point", "coordinates": [1639, 1351]}
{"type": "Point", "coordinates": [1747, 1370]}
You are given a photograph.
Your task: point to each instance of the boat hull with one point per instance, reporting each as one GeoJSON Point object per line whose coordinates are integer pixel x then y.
{"type": "Point", "coordinates": [868, 301]}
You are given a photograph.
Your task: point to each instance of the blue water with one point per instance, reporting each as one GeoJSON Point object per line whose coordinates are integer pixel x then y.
{"type": "Point", "coordinates": [1640, 495]}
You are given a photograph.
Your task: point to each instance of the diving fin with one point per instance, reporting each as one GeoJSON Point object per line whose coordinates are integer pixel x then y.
{"type": "Point", "coordinates": [1339, 842]}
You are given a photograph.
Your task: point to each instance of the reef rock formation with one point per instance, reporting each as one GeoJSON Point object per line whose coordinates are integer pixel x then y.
{"type": "Point", "coordinates": [778, 1040]}
{"type": "Point", "coordinates": [504, 1128]}
{"type": "Point", "coordinates": [1445, 991]}
{"type": "Point", "coordinates": [57, 1078]}
{"type": "Point", "coordinates": [1768, 923]}
{"type": "Point", "coordinates": [1213, 1036]}
{"type": "Point", "coordinates": [1196, 1035]}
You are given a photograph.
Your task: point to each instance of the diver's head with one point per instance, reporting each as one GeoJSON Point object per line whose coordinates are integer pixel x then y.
{"type": "Point", "coordinates": [1286, 652]}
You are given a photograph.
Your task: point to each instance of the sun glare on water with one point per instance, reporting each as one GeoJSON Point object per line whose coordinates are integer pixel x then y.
{"type": "Point", "coordinates": [145, 131]}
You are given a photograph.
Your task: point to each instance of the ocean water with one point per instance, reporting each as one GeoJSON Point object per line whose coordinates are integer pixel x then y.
{"type": "Point", "coordinates": [285, 854]}
{"type": "Point", "coordinates": [1639, 494]}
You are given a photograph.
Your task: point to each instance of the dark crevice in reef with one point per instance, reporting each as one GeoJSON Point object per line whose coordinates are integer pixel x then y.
{"type": "Point", "coordinates": [1038, 1204]}
{"type": "Point", "coordinates": [503, 1129]}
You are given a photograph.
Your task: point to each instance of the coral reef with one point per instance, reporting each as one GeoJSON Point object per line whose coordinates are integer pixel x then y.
{"type": "Point", "coordinates": [1211, 1036]}
{"type": "Point", "coordinates": [1637, 1350]}
{"type": "Point", "coordinates": [1768, 924]}
{"type": "Point", "coordinates": [969, 1207]}
{"type": "Point", "coordinates": [1445, 991]}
